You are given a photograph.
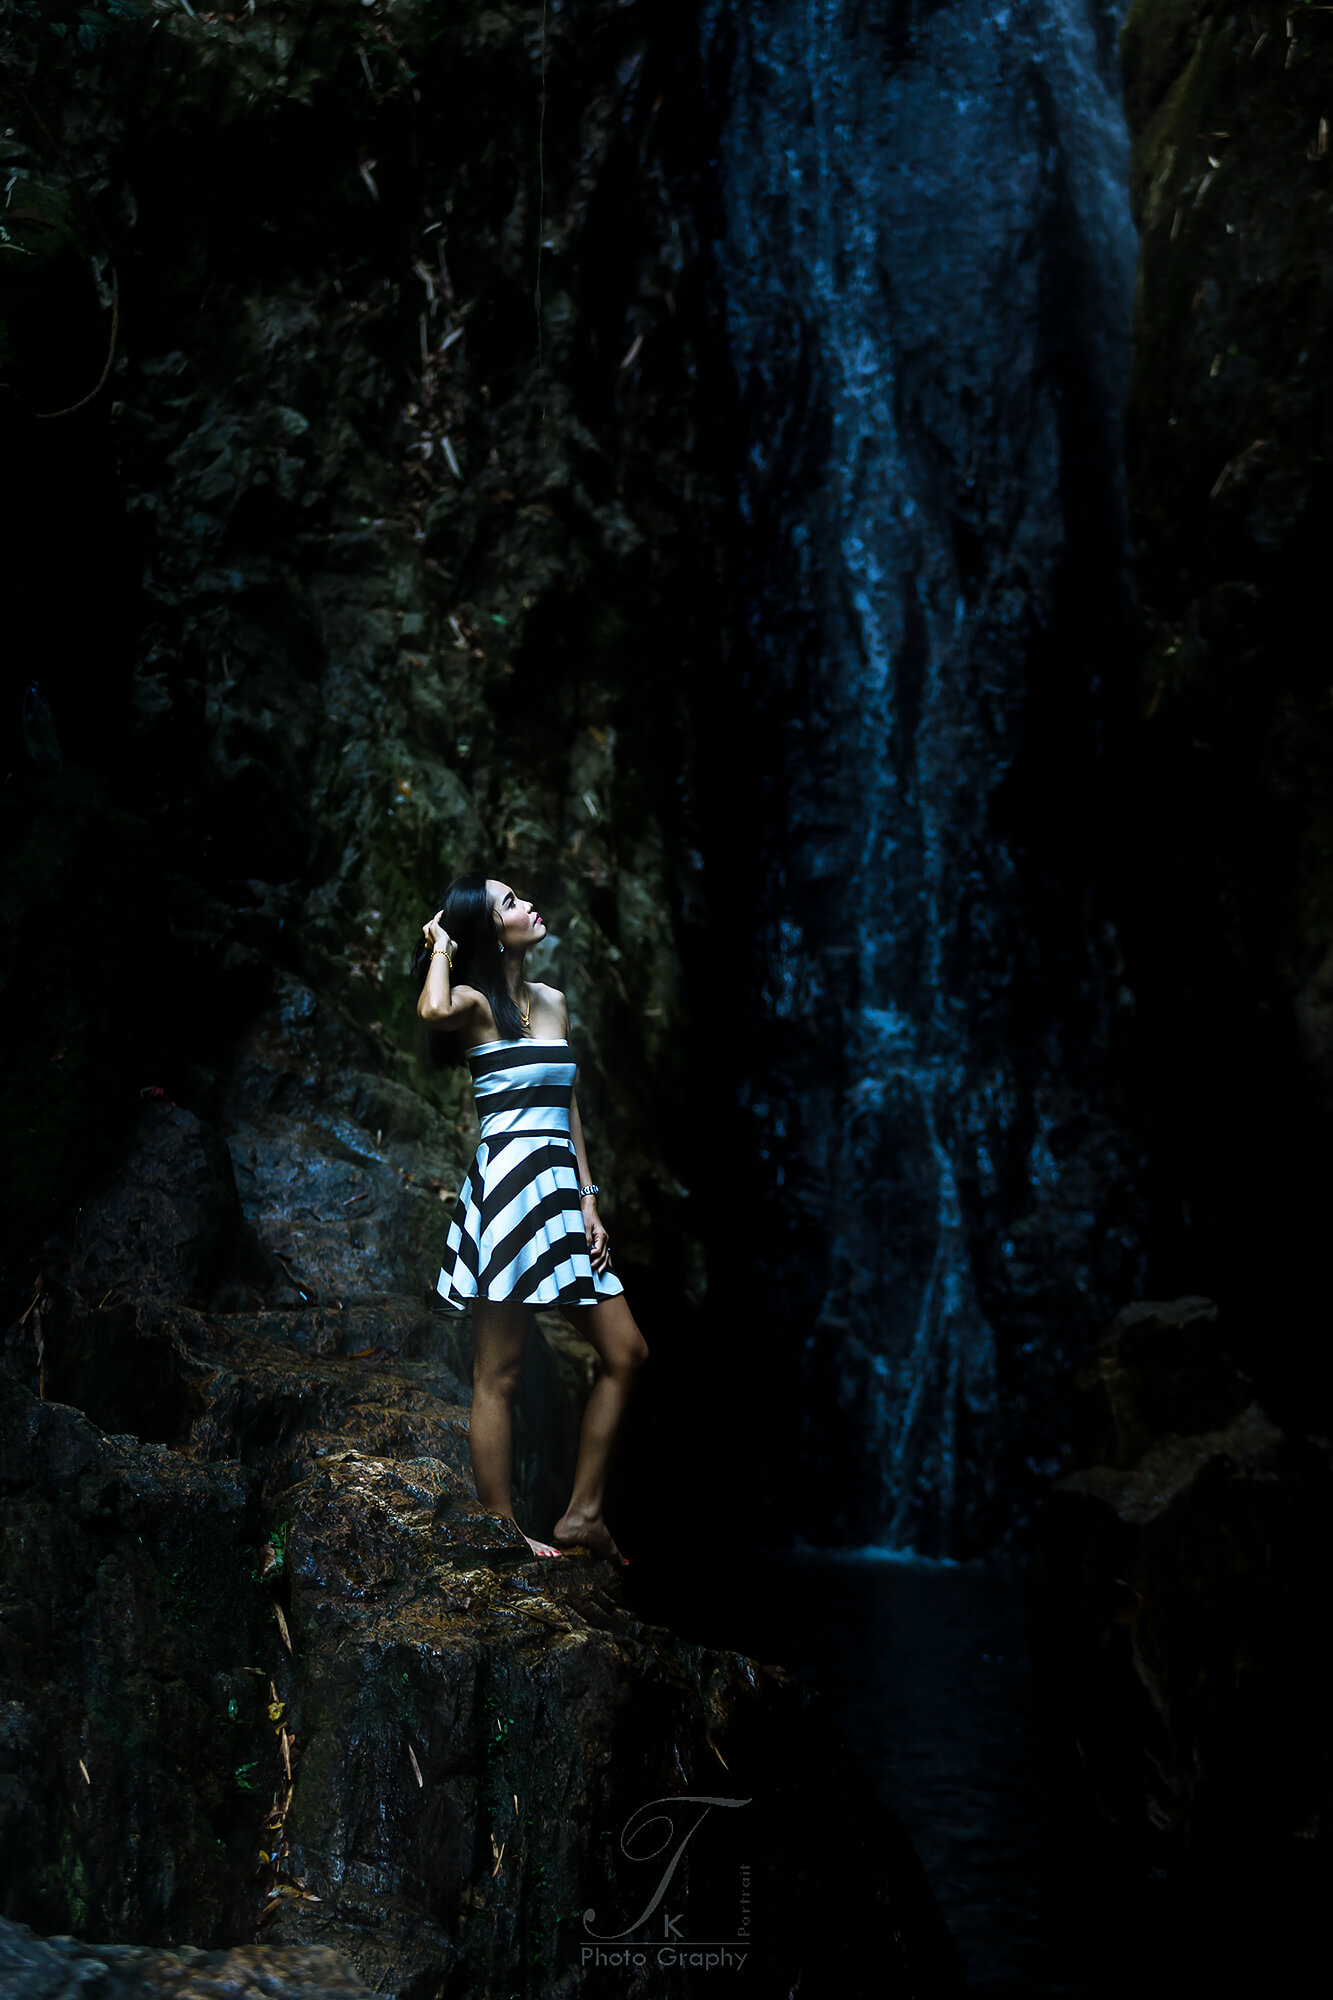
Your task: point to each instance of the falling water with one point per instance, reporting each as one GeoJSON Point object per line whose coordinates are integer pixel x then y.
{"type": "Point", "coordinates": [927, 261]}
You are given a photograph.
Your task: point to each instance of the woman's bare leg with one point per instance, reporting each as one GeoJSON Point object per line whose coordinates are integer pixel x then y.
{"type": "Point", "coordinates": [611, 1327]}
{"type": "Point", "coordinates": [499, 1328]}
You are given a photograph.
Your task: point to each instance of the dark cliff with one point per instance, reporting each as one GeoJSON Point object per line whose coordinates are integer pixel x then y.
{"type": "Point", "coordinates": [1178, 1589]}
{"type": "Point", "coordinates": [336, 589]}
{"type": "Point", "coordinates": [1230, 909]}
{"type": "Point", "coordinates": [351, 575]}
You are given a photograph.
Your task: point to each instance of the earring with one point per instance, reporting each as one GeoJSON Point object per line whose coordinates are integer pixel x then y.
{"type": "Point", "coordinates": [502, 947]}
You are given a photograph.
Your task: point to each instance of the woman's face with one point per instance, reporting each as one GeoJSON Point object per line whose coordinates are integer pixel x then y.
{"type": "Point", "coordinates": [517, 922]}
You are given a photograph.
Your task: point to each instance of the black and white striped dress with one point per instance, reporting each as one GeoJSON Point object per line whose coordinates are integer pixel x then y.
{"type": "Point", "coordinates": [517, 1229]}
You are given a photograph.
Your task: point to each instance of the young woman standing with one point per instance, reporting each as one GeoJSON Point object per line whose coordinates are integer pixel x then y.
{"type": "Point", "coordinates": [525, 1231]}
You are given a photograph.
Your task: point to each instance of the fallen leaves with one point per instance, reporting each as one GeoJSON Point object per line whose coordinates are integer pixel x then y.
{"type": "Point", "coordinates": [280, 1888]}
{"type": "Point", "coordinates": [287, 1889]}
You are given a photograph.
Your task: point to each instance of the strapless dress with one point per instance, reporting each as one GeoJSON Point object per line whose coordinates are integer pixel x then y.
{"type": "Point", "coordinates": [516, 1231]}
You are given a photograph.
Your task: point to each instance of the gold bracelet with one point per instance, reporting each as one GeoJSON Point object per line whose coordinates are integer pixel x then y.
{"type": "Point", "coordinates": [440, 952]}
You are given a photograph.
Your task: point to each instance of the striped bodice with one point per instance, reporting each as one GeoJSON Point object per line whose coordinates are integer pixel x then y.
{"type": "Point", "coordinates": [522, 1086]}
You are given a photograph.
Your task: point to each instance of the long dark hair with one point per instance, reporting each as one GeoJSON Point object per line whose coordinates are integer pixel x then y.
{"type": "Point", "coordinates": [466, 913]}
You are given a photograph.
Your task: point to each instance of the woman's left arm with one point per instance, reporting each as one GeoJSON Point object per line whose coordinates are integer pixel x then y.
{"type": "Point", "coordinates": [599, 1243]}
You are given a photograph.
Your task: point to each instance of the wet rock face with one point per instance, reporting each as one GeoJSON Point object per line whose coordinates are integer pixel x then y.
{"type": "Point", "coordinates": [169, 1224]}
{"type": "Point", "coordinates": [1227, 433]}
{"type": "Point", "coordinates": [926, 257]}
{"type": "Point", "coordinates": [1179, 1625]}
{"type": "Point", "coordinates": [346, 1175]}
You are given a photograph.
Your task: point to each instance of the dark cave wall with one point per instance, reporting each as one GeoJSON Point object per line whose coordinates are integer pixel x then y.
{"type": "Point", "coordinates": [362, 620]}
{"type": "Point", "coordinates": [1176, 1590]}
{"type": "Point", "coordinates": [1230, 822]}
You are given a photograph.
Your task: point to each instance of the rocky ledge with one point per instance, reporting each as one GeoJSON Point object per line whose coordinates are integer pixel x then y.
{"type": "Point", "coordinates": [274, 1682]}
{"type": "Point", "coordinates": [36, 1968]}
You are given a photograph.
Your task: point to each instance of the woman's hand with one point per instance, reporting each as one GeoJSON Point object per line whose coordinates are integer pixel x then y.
{"type": "Point", "coordinates": [435, 934]}
{"type": "Point", "coordinates": [599, 1243]}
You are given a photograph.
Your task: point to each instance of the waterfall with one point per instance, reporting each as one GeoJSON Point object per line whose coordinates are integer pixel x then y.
{"type": "Point", "coordinates": [926, 261]}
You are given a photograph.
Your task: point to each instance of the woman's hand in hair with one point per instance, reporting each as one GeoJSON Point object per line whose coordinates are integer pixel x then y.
{"type": "Point", "coordinates": [440, 1002]}
{"type": "Point", "coordinates": [435, 934]}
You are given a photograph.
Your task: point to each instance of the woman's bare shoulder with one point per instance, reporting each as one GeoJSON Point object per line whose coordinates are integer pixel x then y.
{"type": "Point", "coordinates": [472, 996]}
{"type": "Point", "coordinates": [474, 1008]}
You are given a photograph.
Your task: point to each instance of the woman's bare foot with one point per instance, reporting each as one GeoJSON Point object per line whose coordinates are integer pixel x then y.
{"type": "Point", "coordinates": [540, 1548]}
{"type": "Point", "coordinates": [587, 1531]}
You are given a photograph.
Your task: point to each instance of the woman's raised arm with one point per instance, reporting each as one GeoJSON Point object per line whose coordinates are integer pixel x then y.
{"type": "Point", "coordinates": [439, 1002]}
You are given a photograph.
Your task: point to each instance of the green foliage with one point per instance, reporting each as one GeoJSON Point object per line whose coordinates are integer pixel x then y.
{"type": "Point", "coordinates": [178, 1600]}
{"type": "Point", "coordinates": [88, 23]}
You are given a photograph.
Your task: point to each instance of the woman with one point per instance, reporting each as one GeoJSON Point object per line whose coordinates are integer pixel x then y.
{"type": "Point", "coordinates": [525, 1231]}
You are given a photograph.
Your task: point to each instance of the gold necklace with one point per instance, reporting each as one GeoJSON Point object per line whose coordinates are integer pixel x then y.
{"type": "Point", "coordinates": [526, 1017]}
